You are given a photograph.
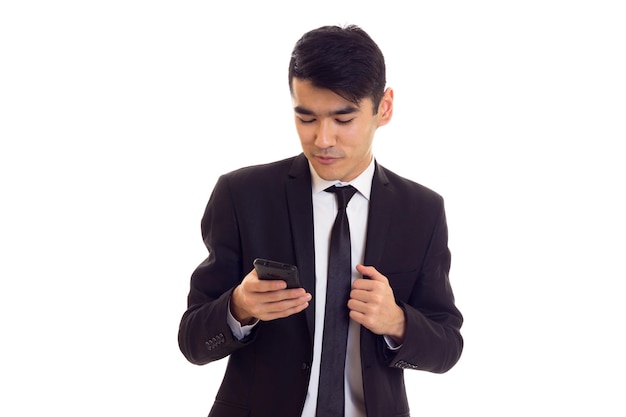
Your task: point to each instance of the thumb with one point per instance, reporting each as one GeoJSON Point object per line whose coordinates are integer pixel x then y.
{"type": "Point", "coordinates": [369, 272]}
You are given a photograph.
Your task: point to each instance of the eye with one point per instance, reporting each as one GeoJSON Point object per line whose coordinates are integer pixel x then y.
{"type": "Point", "coordinates": [344, 122]}
{"type": "Point", "coordinates": [306, 121]}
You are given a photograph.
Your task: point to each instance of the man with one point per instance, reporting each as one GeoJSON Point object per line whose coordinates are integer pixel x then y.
{"type": "Point", "coordinates": [399, 305]}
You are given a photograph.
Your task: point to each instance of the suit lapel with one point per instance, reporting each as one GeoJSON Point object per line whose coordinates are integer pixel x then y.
{"type": "Point", "coordinates": [300, 205]}
{"type": "Point", "coordinates": [381, 202]}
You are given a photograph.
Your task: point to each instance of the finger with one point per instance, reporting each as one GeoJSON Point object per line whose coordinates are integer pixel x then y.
{"type": "Point", "coordinates": [364, 320]}
{"type": "Point", "coordinates": [361, 291]}
{"type": "Point", "coordinates": [285, 308]}
{"type": "Point", "coordinates": [284, 313]}
{"type": "Point", "coordinates": [269, 285]}
{"type": "Point", "coordinates": [357, 305]}
{"type": "Point", "coordinates": [371, 273]}
{"type": "Point", "coordinates": [263, 285]}
{"type": "Point", "coordinates": [365, 284]}
{"type": "Point", "coordinates": [366, 271]}
{"type": "Point", "coordinates": [275, 298]}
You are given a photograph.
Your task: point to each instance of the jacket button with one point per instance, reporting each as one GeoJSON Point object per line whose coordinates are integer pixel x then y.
{"type": "Point", "coordinates": [305, 366]}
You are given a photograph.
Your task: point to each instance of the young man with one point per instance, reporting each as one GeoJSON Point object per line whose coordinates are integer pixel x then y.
{"type": "Point", "coordinates": [398, 306]}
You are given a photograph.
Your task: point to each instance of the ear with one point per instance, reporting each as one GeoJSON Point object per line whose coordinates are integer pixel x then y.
{"type": "Point", "coordinates": [385, 108]}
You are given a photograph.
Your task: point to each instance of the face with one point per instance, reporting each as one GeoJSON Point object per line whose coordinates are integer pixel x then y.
{"type": "Point", "coordinates": [337, 135]}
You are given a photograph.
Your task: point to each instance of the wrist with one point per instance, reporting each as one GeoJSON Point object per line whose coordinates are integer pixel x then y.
{"type": "Point", "coordinates": [399, 329]}
{"type": "Point", "coordinates": [240, 314]}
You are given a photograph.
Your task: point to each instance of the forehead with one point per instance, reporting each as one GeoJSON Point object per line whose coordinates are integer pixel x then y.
{"type": "Point", "coordinates": [308, 97]}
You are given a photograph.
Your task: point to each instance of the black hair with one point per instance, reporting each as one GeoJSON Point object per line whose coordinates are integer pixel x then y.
{"type": "Point", "coordinates": [344, 60]}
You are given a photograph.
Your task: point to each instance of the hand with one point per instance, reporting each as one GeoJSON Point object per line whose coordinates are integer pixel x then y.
{"type": "Point", "coordinates": [256, 299]}
{"type": "Point", "coordinates": [373, 305]}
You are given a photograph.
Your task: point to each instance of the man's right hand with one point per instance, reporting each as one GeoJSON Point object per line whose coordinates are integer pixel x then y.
{"type": "Point", "coordinates": [256, 299]}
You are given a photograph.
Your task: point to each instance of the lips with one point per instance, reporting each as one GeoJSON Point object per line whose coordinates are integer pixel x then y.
{"type": "Point", "coordinates": [326, 159]}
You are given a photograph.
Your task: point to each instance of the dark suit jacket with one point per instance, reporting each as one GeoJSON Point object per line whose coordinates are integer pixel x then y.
{"type": "Point", "coordinates": [266, 211]}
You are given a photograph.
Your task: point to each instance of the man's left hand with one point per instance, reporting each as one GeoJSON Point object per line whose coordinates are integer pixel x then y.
{"type": "Point", "coordinates": [373, 305]}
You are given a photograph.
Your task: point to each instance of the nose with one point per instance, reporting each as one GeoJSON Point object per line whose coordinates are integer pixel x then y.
{"type": "Point", "coordinates": [326, 135]}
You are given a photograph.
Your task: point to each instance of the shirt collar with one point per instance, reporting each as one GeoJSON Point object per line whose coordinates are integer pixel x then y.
{"type": "Point", "coordinates": [363, 183]}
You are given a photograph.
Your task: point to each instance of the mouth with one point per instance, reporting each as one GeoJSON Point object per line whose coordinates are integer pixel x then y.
{"type": "Point", "coordinates": [326, 159]}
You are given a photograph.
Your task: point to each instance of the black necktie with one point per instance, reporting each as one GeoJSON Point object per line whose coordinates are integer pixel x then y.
{"type": "Point", "coordinates": [330, 400]}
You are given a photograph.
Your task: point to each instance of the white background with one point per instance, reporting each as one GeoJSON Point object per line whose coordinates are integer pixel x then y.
{"type": "Point", "coordinates": [117, 117]}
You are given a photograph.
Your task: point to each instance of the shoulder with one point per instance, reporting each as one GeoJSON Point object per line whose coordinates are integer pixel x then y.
{"type": "Point", "coordinates": [262, 181]}
{"type": "Point", "coordinates": [266, 168]}
{"type": "Point", "coordinates": [271, 172]}
{"type": "Point", "coordinates": [406, 188]}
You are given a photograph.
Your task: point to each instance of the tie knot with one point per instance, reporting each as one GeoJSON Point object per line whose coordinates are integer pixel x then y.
{"type": "Point", "coordinates": [344, 194]}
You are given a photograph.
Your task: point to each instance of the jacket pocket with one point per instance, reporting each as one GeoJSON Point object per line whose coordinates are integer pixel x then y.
{"type": "Point", "coordinates": [402, 283]}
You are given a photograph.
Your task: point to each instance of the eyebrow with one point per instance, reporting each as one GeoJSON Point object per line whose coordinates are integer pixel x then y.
{"type": "Point", "coordinates": [338, 112]}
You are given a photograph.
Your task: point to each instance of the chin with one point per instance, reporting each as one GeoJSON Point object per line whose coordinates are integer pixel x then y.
{"type": "Point", "coordinates": [326, 174]}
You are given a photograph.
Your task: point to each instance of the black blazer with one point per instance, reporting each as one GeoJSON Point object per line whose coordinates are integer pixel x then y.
{"type": "Point", "coordinates": [266, 211]}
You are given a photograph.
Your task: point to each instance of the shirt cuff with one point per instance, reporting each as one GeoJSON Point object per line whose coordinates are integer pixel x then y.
{"type": "Point", "coordinates": [391, 344]}
{"type": "Point", "coordinates": [238, 330]}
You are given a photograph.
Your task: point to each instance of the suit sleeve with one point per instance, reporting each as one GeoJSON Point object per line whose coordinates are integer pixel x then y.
{"type": "Point", "coordinates": [204, 334]}
{"type": "Point", "coordinates": [433, 340]}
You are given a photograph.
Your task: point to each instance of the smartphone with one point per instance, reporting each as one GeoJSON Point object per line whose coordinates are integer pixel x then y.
{"type": "Point", "coordinates": [267, 269]}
